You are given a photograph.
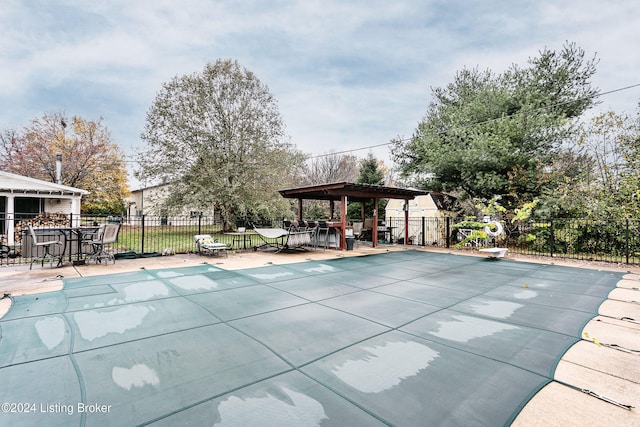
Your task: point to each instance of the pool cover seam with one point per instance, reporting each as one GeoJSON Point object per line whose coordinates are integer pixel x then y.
{"type": "Point", "coordinates": [76, 367]}
{"type": "Point", "coordinates": [178, 294]}
{"type": "Point", "coordinates": [112, 344]}
{"type": "Point", "coordinates": [355, 290]}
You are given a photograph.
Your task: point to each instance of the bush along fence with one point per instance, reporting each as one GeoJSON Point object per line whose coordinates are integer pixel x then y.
{"type": "Point", "coordinates": [616, 241]}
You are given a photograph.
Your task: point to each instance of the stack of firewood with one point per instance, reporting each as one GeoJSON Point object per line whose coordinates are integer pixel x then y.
{"type": "Point", "coordinates": [43, 220]}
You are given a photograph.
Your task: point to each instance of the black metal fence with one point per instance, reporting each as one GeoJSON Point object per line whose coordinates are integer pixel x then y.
{"type": "Point", "coordinates": [138, 235]}
{"type": "Point", "coordinates": [616, 241]}
{"type": "Point", "coordinates": [599, 240]}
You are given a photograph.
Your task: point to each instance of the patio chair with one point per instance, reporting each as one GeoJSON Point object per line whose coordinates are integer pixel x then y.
{"type": "Point", "coordinates": [322, 234]}
{"type": "Point", "coordinates": [206, 245]}
{"type": "Point", "coordinates": [312, 228]}
{"type": "Point", "coordinates": [106, 234]}
{"type": "Point", "coordinates": [357, 229]}
{"type": "Point", "coordinates": [367, 229]}
{"type": "Point", "coordinates": [46, 245]}
{"type": "Point", "coordinates": [7, 252]}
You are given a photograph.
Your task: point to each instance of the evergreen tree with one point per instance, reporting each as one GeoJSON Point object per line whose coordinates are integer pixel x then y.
{"type": "Point", "coordinates": [489, 135]}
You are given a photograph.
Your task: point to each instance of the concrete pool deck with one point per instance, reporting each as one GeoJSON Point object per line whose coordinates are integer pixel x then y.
{"type": "Point", "coordinates": [589, 364]}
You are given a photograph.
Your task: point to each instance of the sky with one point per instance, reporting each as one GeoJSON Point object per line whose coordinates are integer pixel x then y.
{"type": "Point", "coordinates": [347, 75]}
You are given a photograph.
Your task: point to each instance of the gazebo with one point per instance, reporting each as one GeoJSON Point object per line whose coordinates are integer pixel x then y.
{"type": "Point", "coordinates": [344, 191]}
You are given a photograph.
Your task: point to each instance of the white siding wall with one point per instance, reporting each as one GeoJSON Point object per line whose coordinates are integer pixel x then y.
{"type": "Point", "coordinates": [421, 206]}
{"type": "Point", "coordinates": [146, 201]}
{"type": "Point", "coordinates": [59, 206]}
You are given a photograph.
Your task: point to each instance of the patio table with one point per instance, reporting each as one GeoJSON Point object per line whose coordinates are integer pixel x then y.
{"type": "Point", "coordinates": [72, 247]}
{"type": "Point", "coordinates": [236, 237]}
{"type": "Point", "coordinates": [77, 235]}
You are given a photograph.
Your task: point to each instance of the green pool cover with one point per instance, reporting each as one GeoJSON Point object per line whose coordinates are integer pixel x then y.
{"type": "Point", "coordinates": [401, 338]}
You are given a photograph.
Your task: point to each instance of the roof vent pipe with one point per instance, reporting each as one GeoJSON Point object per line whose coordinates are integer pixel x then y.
{"type": "Point", "coordinates": [59, 168]}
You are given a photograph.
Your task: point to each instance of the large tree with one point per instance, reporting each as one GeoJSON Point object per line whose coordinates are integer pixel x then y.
{"type": "Point", "coordinates": [218, 140]}
{"type": "Point", "coordinates": [90, 159]}
{"type": "Point", "coordinates": [486, 134]}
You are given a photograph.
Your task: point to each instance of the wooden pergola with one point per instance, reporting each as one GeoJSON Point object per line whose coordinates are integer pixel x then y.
{"type": "Point", "coordinates": [343, 191]}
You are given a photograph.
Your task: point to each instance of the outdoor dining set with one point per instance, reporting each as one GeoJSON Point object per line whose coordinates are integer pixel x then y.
{"type": "Point", "coordinates": [75, 244]}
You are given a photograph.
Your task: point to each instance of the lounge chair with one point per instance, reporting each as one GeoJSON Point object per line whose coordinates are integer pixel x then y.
{"type": "Point", "coordinates": [206, 245]}
{"type": "Point", "coordinates": [283, 239]}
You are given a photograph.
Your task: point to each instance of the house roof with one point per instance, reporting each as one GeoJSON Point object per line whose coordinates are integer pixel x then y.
{"type": "Point", "coordinates": [444, 201]}
{"type": "Point", "coordinates": [437, 200]}
{"type": "Point", "coordinates": [353, 191]}
{"type": "Point", "coordinates": [18, 184]}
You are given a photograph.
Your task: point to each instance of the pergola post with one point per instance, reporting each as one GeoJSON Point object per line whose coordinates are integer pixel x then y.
{"type": "Point", "coordinates": [406, 221]}
{"type": "Point", "coordinates": [343, 222]}
{"type": "Point", "coordinates": [9, 220]}
{"type": "Point", "coordinates": [299, 208]}
{"type": "Point", "coordinates": [374, 227]}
